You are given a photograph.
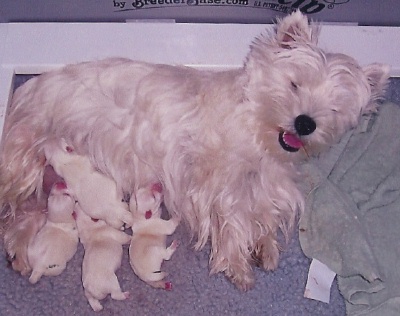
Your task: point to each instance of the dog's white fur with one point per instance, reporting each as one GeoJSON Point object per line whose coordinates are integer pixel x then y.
{"type": "Point", "coordinates": [96, 193]}
{"type": "Point", "coordinates": [147, 250]}
{"type": "Point", "coordinates": [57, 241]}
{"type": "Point", "coordinates": [30, 218]}
{"type": "Point", "coordinates": [102, 258]}
{"type": "Point", "coordinates": [218, 141]}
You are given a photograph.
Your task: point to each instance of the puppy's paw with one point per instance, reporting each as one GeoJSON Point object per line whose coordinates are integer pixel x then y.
{"type": "Point", "coordinates": [35, 276]}
{"type": "Point", "coordinates": [95, 305]}
{"type": "Point", "coordinates": [168, 286]}
{"type": "Point", "coordinates": [174, 245]}
{"type": "Point", "coordinates": [120, 296]}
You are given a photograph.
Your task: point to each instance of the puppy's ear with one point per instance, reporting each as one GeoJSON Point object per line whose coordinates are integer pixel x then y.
{"type": "Point", "coordinates": [294, 29]}
{"type": "Point", "coordinates": [378, 79]}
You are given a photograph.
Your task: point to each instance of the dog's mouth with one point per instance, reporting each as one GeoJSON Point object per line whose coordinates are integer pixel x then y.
{"type": "Point", "coordinates": [290, 142]}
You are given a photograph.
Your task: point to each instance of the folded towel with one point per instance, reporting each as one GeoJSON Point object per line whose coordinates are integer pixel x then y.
{"type": "Point", "coordinates": [352, 217]}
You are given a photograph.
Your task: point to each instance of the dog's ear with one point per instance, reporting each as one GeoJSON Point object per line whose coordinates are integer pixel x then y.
{"type": "Point", "coordinates": [294, 29]}
{"type": "Point", "coordinates": [378, 79]}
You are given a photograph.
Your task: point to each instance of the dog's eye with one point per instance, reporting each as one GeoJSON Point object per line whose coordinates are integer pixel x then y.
{"type": "Point", "coordinates": [294, 86]}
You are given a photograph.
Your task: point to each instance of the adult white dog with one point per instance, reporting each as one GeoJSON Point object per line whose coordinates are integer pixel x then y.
{"type": "Point", "coordinates": [225, 145]}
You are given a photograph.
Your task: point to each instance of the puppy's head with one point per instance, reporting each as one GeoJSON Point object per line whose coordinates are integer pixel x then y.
{"type": "Point", "coordinates": [57, 151]}
{"type": "Point", "coordinates": [148, 202]}
{"type": "Point", "coordinates": [305, 99]}
{"type": "Point", "coordinates": [60, 205]}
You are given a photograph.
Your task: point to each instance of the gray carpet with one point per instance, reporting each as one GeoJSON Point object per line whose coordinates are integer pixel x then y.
{"type": "Point", "coordinates": [194, 291]}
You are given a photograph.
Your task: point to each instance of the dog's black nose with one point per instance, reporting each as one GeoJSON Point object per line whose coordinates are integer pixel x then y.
{"type": "Point", "coordinates": [304, 125]}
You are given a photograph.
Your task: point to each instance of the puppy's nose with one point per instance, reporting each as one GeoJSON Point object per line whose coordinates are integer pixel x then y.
{"type": "Point", "coordinates": [304, 125]}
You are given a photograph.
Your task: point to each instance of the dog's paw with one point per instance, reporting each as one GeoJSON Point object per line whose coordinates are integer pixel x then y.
{"type": "Point", "coordinates": [243, 280]}
{"type": "Point", "coordinates": [266, 254]}
{"type": "Point", "coordinates": [239, 273]}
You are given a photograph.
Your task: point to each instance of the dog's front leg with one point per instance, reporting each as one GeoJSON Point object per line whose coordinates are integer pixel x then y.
{"type": "Point", "coordinates": [231, 251]}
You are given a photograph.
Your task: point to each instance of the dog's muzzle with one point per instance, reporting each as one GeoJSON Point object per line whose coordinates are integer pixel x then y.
{"type": "Point", "coordinates": [304, 125]}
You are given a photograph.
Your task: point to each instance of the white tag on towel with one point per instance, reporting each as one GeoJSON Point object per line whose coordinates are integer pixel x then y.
{"type": "Point", "coordinates": [319, 282]}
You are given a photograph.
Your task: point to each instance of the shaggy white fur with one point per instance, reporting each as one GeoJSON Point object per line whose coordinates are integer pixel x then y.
{"type": "Point", "coordinates": [225, 145]}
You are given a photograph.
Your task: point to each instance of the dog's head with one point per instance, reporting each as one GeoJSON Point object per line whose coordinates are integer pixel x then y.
{"type": "Point", "coordinates": [304, 98]}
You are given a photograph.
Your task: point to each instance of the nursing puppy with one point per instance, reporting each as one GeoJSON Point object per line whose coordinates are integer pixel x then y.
{"type": "Point", "coordinates": [147, 250]}
{"type": "Point", "coordinates": [102, 258]}
{"type": "Point", "coordinates": [96, 193]}
{"type": "Point", "coordinates": [31, 216]}
{"type": "Point", "coordinates": [57, 241]}
{"type": "Point", "coordinates": [226, 145]}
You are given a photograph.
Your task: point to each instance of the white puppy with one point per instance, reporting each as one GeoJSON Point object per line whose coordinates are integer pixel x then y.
{"type": "Point", "coordinates": [96, 193]}
{"type": "Point", "coordinates": [103, 255]}
{"type": "Point", "coordinates": [57, 241]}
{"type": "Point", "coordinates": [147, 249]}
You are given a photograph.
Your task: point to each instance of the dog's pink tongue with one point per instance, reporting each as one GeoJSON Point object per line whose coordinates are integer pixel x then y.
{"type": "Point", "coordinates": [292, 140]}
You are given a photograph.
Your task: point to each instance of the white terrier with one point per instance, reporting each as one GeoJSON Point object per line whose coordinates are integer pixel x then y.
{"type": "Point", "coordinates": [96, 193]}
{"type": "Point", "coordinates": [226, 145]}
{"type": "Point", "coordinates": [102, 258]}
{"type": "Point", "coordinates": [147, 249]}
{"type": "Point", "coordinates": [57, 241]}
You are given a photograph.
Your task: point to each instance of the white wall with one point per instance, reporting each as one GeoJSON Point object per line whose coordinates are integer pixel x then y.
{"type": "Point", "coordinates": [30, 48]}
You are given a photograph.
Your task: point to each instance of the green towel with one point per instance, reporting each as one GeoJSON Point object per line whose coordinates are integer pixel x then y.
{"type": "Point", "coordinates": [352, 217]}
